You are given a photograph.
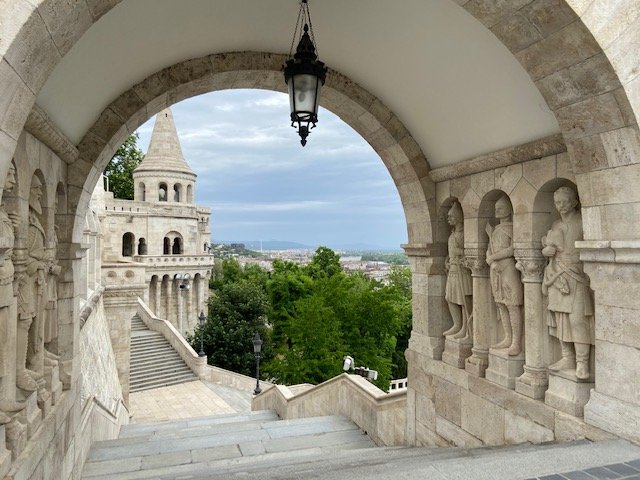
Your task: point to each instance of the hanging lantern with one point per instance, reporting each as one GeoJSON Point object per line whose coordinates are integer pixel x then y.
{"type": "Point", "coordinates": [305, 75]}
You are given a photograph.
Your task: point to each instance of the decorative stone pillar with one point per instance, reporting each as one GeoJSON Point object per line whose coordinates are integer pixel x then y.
{"type": "Point", "coordinates": [614, 270]}
{"type": "Point", "coordinates": [477, 363]}
{"type": "Point", "coordinates": [430, 315]}
{"type": "Point", "coordinates": [535, 379]}
{"type": "Point", "coordinates": [180, 304]}
{"type": "Point", "coordinates": [157, 305]}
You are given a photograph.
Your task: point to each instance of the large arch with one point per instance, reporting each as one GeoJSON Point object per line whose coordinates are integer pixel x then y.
{"type": "Point", "coordinates": [576, 52]}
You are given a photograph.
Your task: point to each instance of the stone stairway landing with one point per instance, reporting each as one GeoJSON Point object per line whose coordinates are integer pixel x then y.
{"type": "Point", "coordinates": [154, 362]}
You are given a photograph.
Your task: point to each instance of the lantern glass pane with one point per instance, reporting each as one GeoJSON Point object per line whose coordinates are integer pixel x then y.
{"type": "Point", "coordinates": [305, 93]}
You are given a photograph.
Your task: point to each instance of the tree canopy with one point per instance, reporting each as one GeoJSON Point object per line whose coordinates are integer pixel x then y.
{"type": "Point", "coordinates": [120, 169]}
{"type": "Point", "coordinates": [309, 317]}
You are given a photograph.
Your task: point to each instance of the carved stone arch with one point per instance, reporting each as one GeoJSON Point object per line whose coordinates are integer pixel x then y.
{"type": "Point", "coordinates": [361, 110]}
{"type": "Point", "coordinates": [544, 210]}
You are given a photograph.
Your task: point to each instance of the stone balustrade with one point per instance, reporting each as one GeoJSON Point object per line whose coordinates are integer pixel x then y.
{"type": "Point", "coordinates": [382, 415]}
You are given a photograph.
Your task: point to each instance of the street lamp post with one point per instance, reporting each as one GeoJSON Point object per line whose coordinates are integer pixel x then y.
{"type": "Point", "coordinates": [257, 348]}
{"type": "Point", "coordinates": [201, 320]}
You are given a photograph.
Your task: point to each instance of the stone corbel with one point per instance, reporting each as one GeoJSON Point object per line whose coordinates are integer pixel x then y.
{"type": "Point", "coordinates": [530, 263]}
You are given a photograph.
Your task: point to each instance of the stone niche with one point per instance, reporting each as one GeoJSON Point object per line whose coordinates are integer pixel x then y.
{"type": "Point", "coordinates": [511, 356]}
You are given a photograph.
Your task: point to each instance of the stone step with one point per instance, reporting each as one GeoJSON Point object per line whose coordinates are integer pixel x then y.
{"type": "Point", "coordinates": [153, 373]}
{"type": "Point", "coordinates": [150, 385]}
{"type": "Point", "coordinates": [143, 366]}
{"type": "Point", "coordinates": [164, 349]}
{"type": "Point", "coordinates": [134, 429]}
{"type": "Point", "coordinates": [351, 461]}
{"type": "Point", "coordinates": [163, 449]}
{"type": "Point", "coordinates": [144, 379]}
{"type": "Point", "coordinates": [168, 354]}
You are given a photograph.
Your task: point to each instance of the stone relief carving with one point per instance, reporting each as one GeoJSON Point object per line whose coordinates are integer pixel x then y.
{"type": "Point", "coordinates": [570, 311]}
{"type": "Point", "coordinates": [506, 286]}
{"type": "Point", "coordinates": [50, 316]}
{"type": "Point", "coordinates": [30, 293]}
{"type": "Point", "coordinates": [8, 405]}
{"type": "Point", "coordinates": [459, 286]}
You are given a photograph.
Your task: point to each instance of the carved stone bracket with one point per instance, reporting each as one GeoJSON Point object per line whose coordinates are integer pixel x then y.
{"type": "Point", "coordinates": [531, 264]}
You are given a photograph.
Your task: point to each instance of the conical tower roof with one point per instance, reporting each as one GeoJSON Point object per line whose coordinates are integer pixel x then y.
{"type": "Point", "coordinates": [165, 154]}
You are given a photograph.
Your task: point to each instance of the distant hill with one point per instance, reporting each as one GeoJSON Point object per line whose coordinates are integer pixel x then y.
{"type": "Point", "coordinates": [287, 245]}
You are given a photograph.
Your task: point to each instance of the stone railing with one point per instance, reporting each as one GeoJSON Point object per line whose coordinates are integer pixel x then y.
{"type": "Point", "coordinates": [399, 384]}
{"type": "Point", "coordinates": [173, 261]}
{"type": "Point", "coordinates": [197, 364]}
{"type": "Point", "coordinates": [382, 415]}
{"type": "Point", "coordinates": [170, 333]}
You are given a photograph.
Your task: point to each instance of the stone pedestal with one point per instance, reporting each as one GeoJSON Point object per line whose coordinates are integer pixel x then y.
{"type": "Point", "coordinates": [16, 436]}
{"type": "Point", "coordinates": [567, 393]}
{"type": "Point", "coordinates": [478, 362]}
{"type": "Point", "coordinates": [456, 352]}
{"type": "Point", "coordinates": [31, 416]}
{"type": "Point", "coordinates": [533, 382]}
{"type": "Point", "coordinates": [504, 369]}
{"type": "Point", "coordinates": [54, 385]}
{"type": "Point", "coordinates": [5, 455]}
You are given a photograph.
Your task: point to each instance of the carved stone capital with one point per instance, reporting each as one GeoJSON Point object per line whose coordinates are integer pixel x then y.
{"type": "Point", "coordinates": [531, 264]}
{"type": "Point", "coordinates": [475, 260]}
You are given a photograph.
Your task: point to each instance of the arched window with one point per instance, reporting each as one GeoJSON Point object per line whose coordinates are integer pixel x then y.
{"type": "Point", "coordinates": [177, 246]}
{"type": "Point", "coordinates": [166, 250]}
{"type": "Point", "coordinates": [142, 247]}
{"type": "Point", "coordinates": [177, 192]}
{"type": "Point", "coordinates": [162, 192]}
{"type": "Point", "coordinates": [189, 193]}
{"type": "Point", "coordinates": [142, 192]}
{"type": "Point", "coordinates": [127, 244]}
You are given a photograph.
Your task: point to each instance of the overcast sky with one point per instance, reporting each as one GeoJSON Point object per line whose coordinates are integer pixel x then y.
{"type": "Point", "coordinates": [262, 185]}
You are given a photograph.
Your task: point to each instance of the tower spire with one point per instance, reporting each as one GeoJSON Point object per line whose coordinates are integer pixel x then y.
{"type": "Point", "coordinates": [165, 153]}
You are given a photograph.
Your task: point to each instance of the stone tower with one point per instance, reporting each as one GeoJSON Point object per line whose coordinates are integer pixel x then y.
{"type": "Point", "coordinates": [164, 175]}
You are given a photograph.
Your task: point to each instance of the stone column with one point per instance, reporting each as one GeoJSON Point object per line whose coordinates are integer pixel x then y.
{"type": "Point", "coordinates": [157, 296]}
{"type": "Point", "coordinates": [477, 363]}
{"type": "Point", "coordinates": [430, 315]}
{"type": "Point", "coordinates": [179, 301]}
{"type": "Point", "coordinates": [535, 379]}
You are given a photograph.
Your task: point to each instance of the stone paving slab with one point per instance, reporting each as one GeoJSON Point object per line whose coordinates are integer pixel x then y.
{"type": "Point", "coordinates": [175, 402]}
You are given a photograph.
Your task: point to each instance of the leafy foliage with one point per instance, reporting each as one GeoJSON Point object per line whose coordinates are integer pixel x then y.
{"type": "Point", "coordinates": [120, 169]}
{"type": "Point", "coordinates": [309, 317]}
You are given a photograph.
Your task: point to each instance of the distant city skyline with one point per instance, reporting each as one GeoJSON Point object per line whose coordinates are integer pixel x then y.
{"type": "Point", "coordinates": [261, 184]}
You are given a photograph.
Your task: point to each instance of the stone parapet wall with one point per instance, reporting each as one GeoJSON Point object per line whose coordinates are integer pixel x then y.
{"type": "Point", "coordinates": [382, 415]}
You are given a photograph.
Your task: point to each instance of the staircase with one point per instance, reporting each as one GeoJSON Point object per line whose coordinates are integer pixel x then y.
{"type": "Point", "coordinates": [259, 445]}
{"type": "Point", "coordinates": [216, 447]}
{"type": "Point", "coordinates": [154, 362]}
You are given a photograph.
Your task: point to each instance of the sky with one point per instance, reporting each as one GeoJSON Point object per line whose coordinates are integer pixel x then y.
{"type": "Point", "coordinates": [261, 184]}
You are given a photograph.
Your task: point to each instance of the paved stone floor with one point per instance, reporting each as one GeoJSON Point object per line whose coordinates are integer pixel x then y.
{"type": "Point", "coordinates": [621, 471]}
{"type": "Point", "coordinates": [191, 399]}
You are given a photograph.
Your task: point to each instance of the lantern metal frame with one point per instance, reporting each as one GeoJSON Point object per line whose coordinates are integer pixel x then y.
{"type": "Point", "coordinates": [257, 350]}
{"type": "Point", "coordinates": [299, 70]}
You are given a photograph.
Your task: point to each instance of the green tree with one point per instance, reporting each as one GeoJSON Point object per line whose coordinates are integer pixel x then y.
{"type": "Point", "coordinates": [325, 263]}
{"type": "Point", "coordinates": [236, 313]}
{"type": "Point", "coordinates": [120, 169]}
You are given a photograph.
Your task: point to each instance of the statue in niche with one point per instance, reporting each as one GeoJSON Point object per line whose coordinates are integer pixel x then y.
{"type": "Point", "coordinates": [570, 317]}
{"type": "Point", "coordinates": [506, 286]}
{"type": "Point", "coordinates": [459, 286]}
{"type": "Point", "coordinates": [30, 293]}
{"type": "Point", "coordinates": [51, 303]}
{"type": "Point", "coordinates": [7, 237]}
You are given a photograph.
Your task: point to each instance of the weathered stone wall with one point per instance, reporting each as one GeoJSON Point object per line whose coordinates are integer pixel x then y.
{"type": "Point", "coordinates": [467, 390]}
{"type": "Point", "coordinates": [98, 362]}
